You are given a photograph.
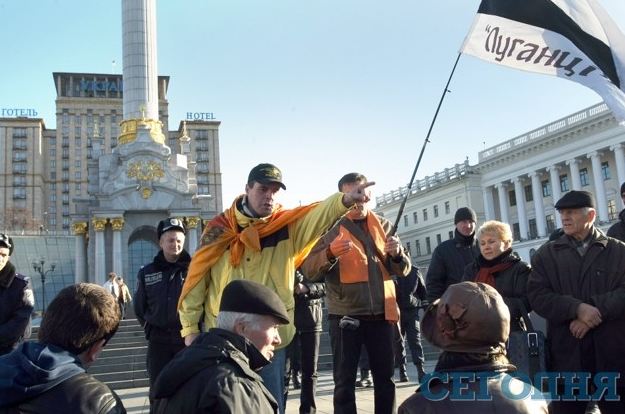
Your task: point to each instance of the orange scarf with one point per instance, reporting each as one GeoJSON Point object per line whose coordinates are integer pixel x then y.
{"type": "Point", "coordinates": [223, 232]}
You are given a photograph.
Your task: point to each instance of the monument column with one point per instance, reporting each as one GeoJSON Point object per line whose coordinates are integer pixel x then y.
{"type": "Point", "coordinates": [117, 223]}
{"type": "Point", "coordinates": [80, 230]}
{"type": "Point", "coordinates": [99, 225]}
{"type": "Point", "coordinates": [192, 223]}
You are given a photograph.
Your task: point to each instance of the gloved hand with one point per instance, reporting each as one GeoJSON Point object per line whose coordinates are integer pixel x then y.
{"type": "Point", "coordinates": [340, 245]}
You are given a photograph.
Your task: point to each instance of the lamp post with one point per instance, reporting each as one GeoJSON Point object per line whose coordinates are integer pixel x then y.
{"type": "Point", "coordinates": [39, 267]}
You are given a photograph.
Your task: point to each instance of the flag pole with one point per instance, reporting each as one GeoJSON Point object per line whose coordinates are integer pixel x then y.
{"type": "Point", "coordinates": [425, 142]}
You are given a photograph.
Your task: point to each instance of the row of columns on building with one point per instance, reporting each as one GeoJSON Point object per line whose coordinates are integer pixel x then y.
{"type": "Point", "coordinates": [81, 229]}
{"type": "Point", "coordinates": [554, 177]}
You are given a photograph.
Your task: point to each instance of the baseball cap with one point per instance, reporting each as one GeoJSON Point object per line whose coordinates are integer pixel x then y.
{"type": "Point", "coordinates": [266, 174]}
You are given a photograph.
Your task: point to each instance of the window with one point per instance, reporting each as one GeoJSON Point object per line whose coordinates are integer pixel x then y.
{"type": "Point", "coordinates": [533, 229]}
{"type": "Point", "coordinates": [417, 244]}
{"type": "Point", "coordinates": [512, 198]}
{"type": "Point", "coordinates": [551, 223]}
{"type": "Point", "coordinates": [19, 180]}
{"type": "Point", "coordinates": [19, 193]}
{"type": "Point", "coordinates": [435, 211]}
{"type": "Point", "coordinates": [405, 220]}
{"type": "Point", "coordinates": [451, 235]}
{"type": "Point", "coordinates": [425, 214]}
{"type": "Point", "coordinates": [447, 208]}
{"type": "Point", "coordinates": [53, 197]}
{"type": "Point", "coordinates": [415, 217]}
{"type": "Point", "coordinates": [583, 177]}
{"type": "Point", "coordinates": [428, 246]}
{"type": "Point", "coordinates": [438, 239]}
{"type": "Point", "coordinates": [408, 248]}
{"type": "Point", "coordinates": [546, 188]}
{"type": "Point", "coordinates": [564, 183]}
{"type": "Point", "coordinates": [605, 170]}
{"type": "Point", "coordinates": [516, 232]}
{"type": "Point", "coordinates": [529, 196]}
{"type": "Point", "coordinates": [202, 189]}
{"type": "Point", "coordinates": [77, 175]}
{"type": "Point", "coordinates": [612, 212]}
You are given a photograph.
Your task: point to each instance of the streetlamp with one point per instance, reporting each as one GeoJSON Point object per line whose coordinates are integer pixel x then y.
{"type": "Point", "coordinates": [39, 267]}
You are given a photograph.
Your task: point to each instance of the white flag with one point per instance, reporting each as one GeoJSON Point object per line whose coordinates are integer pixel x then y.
{"type": "Point", "coordinates": [572, 39]}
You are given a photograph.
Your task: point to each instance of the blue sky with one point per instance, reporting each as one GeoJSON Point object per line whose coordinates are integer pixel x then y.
{"type": "Point", "coordinates": [319, 88]}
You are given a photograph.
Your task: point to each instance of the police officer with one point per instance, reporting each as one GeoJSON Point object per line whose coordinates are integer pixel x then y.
{"type": "Point", "coordinates": [16, 300]}
{"type": "Point", "coordinates": [158, 287]}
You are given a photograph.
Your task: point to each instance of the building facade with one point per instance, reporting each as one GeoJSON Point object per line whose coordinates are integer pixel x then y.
{"type": "Point", "coordinates": [518, 182]}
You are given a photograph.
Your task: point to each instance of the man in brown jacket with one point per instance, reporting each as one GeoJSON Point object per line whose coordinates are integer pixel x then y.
{"type": "Point", "coordinates": [578, 285]}
{"type": "Point", "coordinates": [356, 258]}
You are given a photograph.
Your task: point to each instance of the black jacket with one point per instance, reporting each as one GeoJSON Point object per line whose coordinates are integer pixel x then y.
{"type": "Point", "coordinates": [448, 262]}
{"type": "Point", "coordinates": [216, 374]}
{"type": "Point", "coordinates": [617, 230]}
{"type": "Point", "coordinates": [46, 379]}
{"type": "Point", "coordinates": [511, 284]}
{"type": "Point", "coordinates": [16, 306]}
{"type": "Point", "coordinates": [159, 285]}
{"type": "Point", "coordinates": [308, 306]}
{"type": "Point", "coordinates": [560, 281]}
{"type": "Point", "coordinates": [410, 290]}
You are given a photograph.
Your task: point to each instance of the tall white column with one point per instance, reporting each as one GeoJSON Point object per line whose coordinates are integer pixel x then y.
{"type": "Point", "coordinates": [117, 223]}
{"type": "Point", "coordinates": [192, 237]}
{"type": "Point", "coordinates": [503, 202]}
{"type": "Point", "coordinates": [554, 177]}
{"type": "Point", "coordinates": [600, 197]}
{"type": "Point", "coordinates": [576, 182]}
{"type": "Point", "coordinates": [539, 208]}
{"type": "Point", "coordinates": [619, 157]}
{"type": "Point", "coordinates": [99, 225]}
{"type": "Point", "coordinates": [520, 207]}
{"type": "Point", "coordinates": [489, 203]}
{"type": "Point", "coordinates": [80, 253]}
{"type": "Point", "coordinates": [139, 57]}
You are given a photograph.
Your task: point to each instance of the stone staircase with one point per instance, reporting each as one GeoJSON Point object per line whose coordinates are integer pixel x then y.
{"type": "Point", "coordinates": [122, 362]}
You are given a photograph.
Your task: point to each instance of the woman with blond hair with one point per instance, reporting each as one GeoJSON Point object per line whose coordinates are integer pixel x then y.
{"type": "Point", "coordinates": [500, 267]}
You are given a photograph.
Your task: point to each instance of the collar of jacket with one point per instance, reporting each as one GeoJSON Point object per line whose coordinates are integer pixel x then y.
{"type": "Point", "coordinates": [462, 240]}
{"type": "Point", "coordinates": [183, 261]}
{"type": "Point", "coordinates": [598, 238]}
{"type": "Point", "coordinates": [7, 274]}
{"type": "Point", "coordinates": [243, 349]}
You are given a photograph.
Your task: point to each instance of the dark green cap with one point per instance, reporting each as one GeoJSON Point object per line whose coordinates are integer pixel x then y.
{"type": "Point", "coordinates": [266, 174]}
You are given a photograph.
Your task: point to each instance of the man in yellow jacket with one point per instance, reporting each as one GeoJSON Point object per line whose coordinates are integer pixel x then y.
{"type": "Point", "coordinates": [256, 239]}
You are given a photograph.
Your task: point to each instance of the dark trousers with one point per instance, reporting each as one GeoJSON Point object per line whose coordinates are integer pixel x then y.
{"type": "Point", "coordinates": [410, 332]}
{"type": "Point", "coordinates": [377, 337]}
{"type": "Point", "coordinates": [303, 354]}
{"type": "Point", "coordinates": [159, 354]}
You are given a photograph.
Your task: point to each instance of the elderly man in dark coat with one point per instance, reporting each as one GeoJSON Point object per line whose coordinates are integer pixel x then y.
{"type": "Point", "coordinates": [218, 372]}
{"type": "Point", "coordinates": [578, 285]}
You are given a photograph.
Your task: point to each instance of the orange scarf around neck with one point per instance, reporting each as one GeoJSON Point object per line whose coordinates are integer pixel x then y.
{"type": "Point", "coordinates": [230, 236]}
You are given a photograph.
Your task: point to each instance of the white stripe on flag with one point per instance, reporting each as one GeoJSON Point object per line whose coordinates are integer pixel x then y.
{"type": "Point", "coordinates": [523, 46]}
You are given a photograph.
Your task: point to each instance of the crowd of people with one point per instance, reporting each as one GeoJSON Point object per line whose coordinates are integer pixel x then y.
{"type": "Point", "coordinates": [230, 328]}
